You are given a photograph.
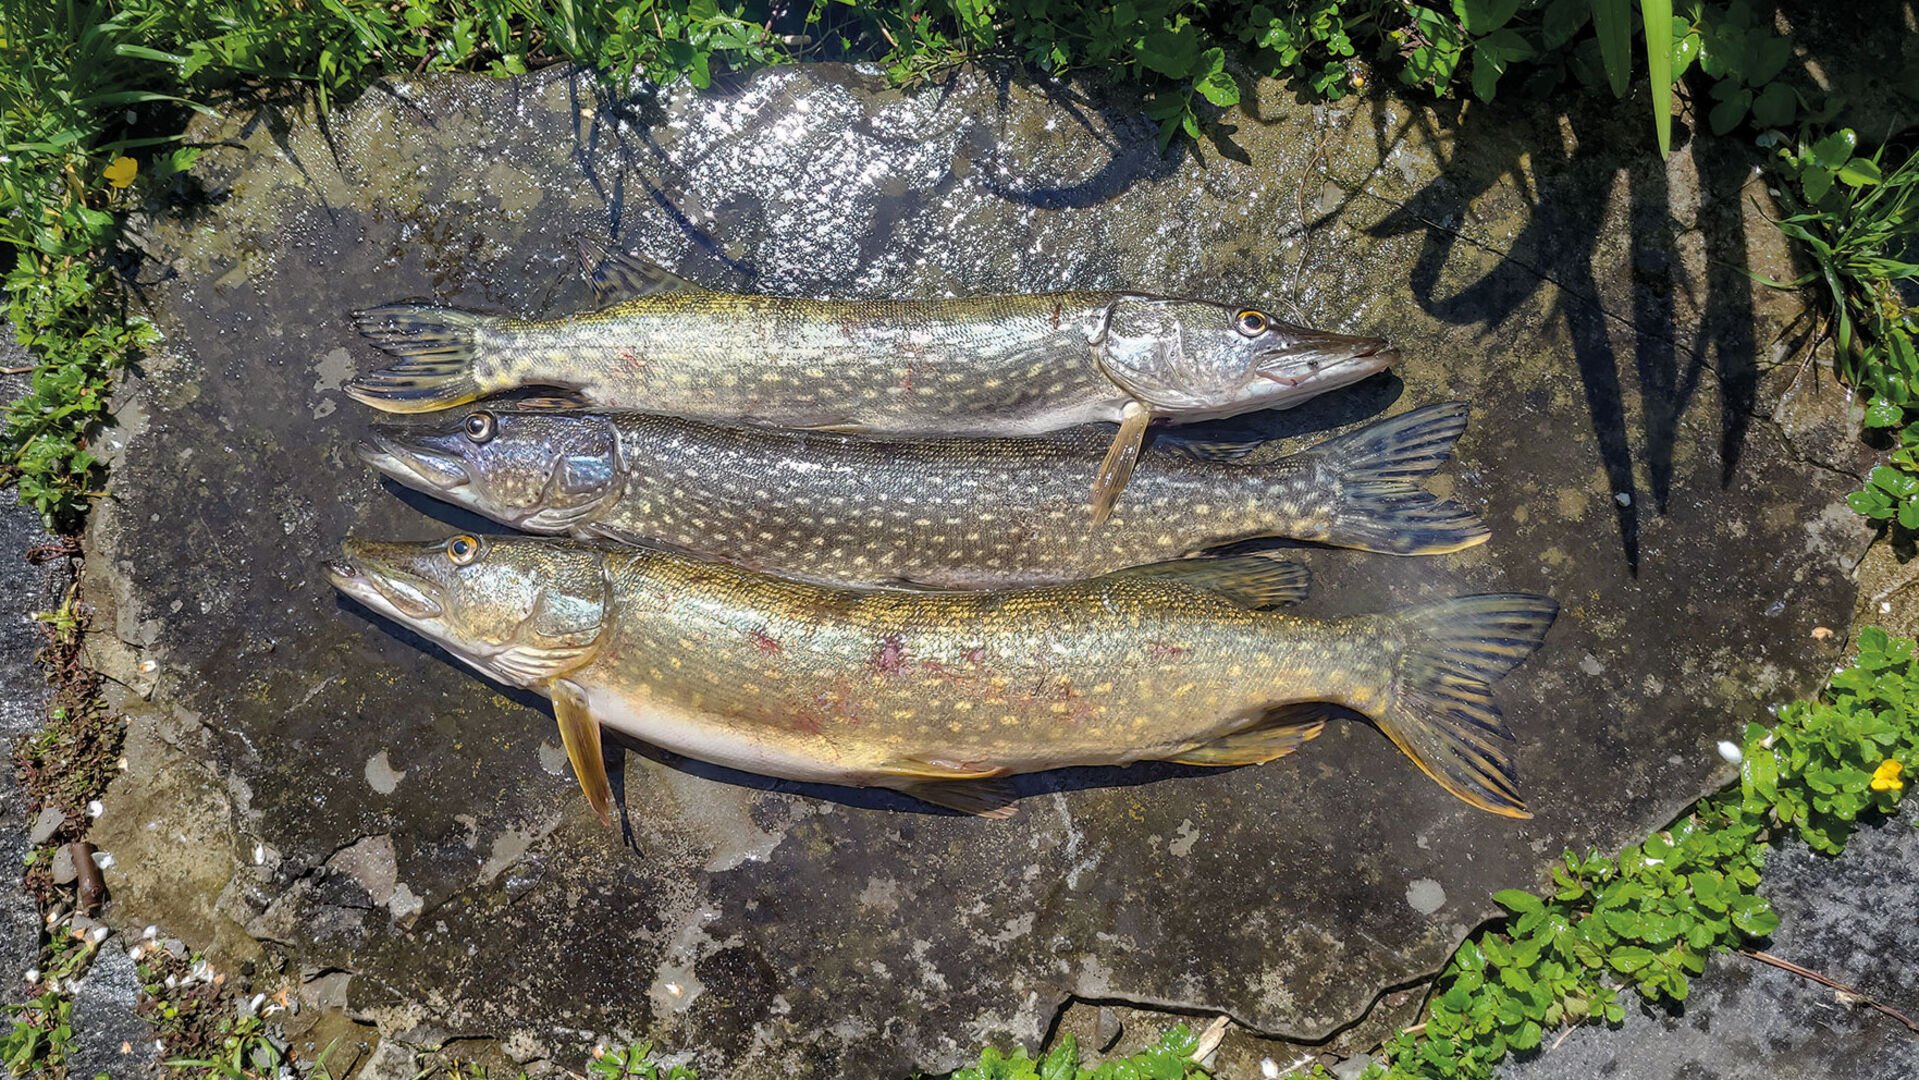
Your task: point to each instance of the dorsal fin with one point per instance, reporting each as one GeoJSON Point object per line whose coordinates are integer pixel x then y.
{"type": "Point", "coordinates": [617, 276]}
{"type": "Point", "coordinates": [1260, 580]}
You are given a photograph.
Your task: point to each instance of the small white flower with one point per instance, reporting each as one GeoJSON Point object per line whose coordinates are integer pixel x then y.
{"type": "Point", "coordinates": [33, 976]}
{"type": "Point", "coordinates": [1731, 752]}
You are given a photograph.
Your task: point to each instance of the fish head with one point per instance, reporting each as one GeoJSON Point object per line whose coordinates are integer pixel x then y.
{"type": "Point", "coordinates": [1194, 358]}
{"type": "Point", "coordinates": [538, 469]}
{"type": "Point", "coordinates": [520, 609]}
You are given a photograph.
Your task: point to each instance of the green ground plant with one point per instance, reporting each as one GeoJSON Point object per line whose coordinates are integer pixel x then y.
{"type": "Point", "coordinates": [1171, 1058]}
{"type": "Point", "coordinates": [1856, 219]}
{"type": "Point", "coordinates": [1647, 919]}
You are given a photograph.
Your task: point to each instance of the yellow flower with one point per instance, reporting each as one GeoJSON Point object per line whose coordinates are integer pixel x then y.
{"type": "Point", "coordinates": [1886, 776]}
{"type": "Point", "coordinates": [120, 173]}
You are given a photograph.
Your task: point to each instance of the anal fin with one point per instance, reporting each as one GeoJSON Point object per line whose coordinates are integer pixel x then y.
{"type": "Point", "coordinates": [980, 798]}
{"type": "Point", "coordinates": [580, 734]}
{"type": "Point", "coordinates": [1284, 731]}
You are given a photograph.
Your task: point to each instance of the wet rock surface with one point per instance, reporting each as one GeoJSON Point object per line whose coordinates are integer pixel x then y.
{"type": "Point", "coordinates": [311, 786]}
{"type": "Point", "coordinates": [26, 588]}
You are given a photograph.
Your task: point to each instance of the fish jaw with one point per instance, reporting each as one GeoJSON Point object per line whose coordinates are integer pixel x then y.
{"type": "Point", "coordinates": [1297, 379]}
{"type": "Point", "coordinates": [442, 475]}
{"type": "Point", "coordinates": [362, 574]}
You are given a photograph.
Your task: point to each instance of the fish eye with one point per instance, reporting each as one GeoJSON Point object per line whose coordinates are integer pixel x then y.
{"type": "Point", "coordinates": [463, 549]}
{"type": "Point", "coordinates": [480, 426]}
{"type": "Point", "coordinates": [1251, 323]}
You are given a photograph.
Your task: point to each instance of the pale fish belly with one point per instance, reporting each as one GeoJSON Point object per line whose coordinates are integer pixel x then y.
{"type": "Point", "coordinates": [707, 737]}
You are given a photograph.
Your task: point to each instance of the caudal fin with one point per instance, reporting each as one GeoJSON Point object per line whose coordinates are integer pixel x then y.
{"type": "Point", "coordinates": [1440, 709]}
{"type": "Point", "coordinates": [1375, 471]}
{"type": "Point", "coordinates": [436, 351]}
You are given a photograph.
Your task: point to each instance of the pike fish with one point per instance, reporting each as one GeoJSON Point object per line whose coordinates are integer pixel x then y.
{"type": "Point", "coordinates": [939, 694]}
{"type": "Point", "coordinates": [982, 366]}
{"type": "Point", "coordinates": [952, 514]}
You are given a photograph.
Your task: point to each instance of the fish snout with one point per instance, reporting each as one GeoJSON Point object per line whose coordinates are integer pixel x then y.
{"type": "Point", "coordinates": [412, 464]}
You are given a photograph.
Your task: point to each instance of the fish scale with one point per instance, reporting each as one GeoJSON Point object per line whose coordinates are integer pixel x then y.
{"type": "Point", "coordinates": [882, 365]}
{"type": "Point", "coordinates": [937, 693]}
{"type": "Point", "coordinates": [945, 513]}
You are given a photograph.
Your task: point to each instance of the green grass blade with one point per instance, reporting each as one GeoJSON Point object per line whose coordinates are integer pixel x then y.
{"type": "Point", "coordinates": [1657, 15]}
{"type": "Point", "coordinates": [1612, 21]}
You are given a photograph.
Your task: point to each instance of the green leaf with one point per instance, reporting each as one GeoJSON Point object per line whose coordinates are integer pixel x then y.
{"type": "Point", "coordinates": [1563, 20]}
{"type": "Point", "coordinates": [1629, 958]}
{"type": "Point", "coordinates": [1657, 17]}
{"type": "Point", "coordinates": [1612, 22]}
{"type": "Point", "coordinates": [1172, 53]}
{"type": "Point", "coordinates": [1482, 17]}
{"type": "Point", "coordinates": [1909, 514]}
{"type": "Point", "coordinates": [1860, 172]}
{"type": "Point", "coordinates": [1214, 84]}
{"type": "Point", "coordinates": [1884, 414]}
{"type": "Point", "coordinates": [1835, 149]}
{"type": "Point", "coordinates": [1491, 55]}
{"type": "Point", "coordinates": [1775, 106]}
{"type": "Point", "coordinates": [1518, 901]}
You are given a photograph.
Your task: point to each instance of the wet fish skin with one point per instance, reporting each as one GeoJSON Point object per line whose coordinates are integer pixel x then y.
{"type": "Point", "coordinates": [933, 693]}
{"type": "Point", "coordinates": [964, 514]}
{"type": "Point", "coordinates": [993, 365]}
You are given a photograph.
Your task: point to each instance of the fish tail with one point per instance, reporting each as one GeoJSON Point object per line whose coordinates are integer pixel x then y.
{"type": "Point", "coordinates": [1374, 475]}
{"type": "Point", "coordinates": [1440, 708]}
{"type": "Point", "coordinates": [437, 350]}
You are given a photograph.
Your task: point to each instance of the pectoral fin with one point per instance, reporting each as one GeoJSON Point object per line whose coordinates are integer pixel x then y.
{"type": "Point", "coordinates": [1263, 579]}
{"type": "Point", "coordinates": [1286, 731]}
{"type": "Point", "coordinates": [1117, 469]}
{"type": "Point", "coordinates": [580, 734]}
{"type": "Point", "coordinates": [617, 276]}
{"type": "Point", "coordinates": [980, 798]}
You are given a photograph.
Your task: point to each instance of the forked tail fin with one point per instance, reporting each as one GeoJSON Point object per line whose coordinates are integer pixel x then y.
{"type": "Point", "coordinates": [436, 350]}
{"type": "Point", "coordinates": [1375, 472]}
{"type": "Point", "coordinates": [1440, 708]}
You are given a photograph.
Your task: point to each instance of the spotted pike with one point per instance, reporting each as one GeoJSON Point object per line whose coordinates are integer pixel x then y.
{"type": "Point", "coordinates": [956, 513]}
{"type": "Point", "coordinates": [937, 694]}
{"type": "Point", "coordinates": [980, 366]}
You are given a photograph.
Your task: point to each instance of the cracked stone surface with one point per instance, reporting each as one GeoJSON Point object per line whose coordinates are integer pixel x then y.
{"type": "Point", "coordinates": [312, 790]}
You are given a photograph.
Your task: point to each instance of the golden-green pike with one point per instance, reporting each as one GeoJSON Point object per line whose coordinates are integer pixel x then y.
{"type": "Point", "coordinates": [979, 366]}
{"type": "Point", "coordinates": [937, 694]}
{"type": "Point", "coordinates": [948, 513]}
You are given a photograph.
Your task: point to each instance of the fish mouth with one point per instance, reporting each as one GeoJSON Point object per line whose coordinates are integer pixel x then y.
{"type": "Point", "coordinates": [419, 467]}
{"type": "Point", "coordinates": [361, 574]}
{"type": "Point", "coordinates": [1326, 361]}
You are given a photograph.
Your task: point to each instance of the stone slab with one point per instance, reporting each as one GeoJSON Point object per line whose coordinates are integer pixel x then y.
{"type": "Point", "coordinates": [311, 781]}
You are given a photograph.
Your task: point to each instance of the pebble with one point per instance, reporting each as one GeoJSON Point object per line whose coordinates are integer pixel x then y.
{"type": "Point", "coordinates": [63, 872]}
{"type": "Point", "coordinates": [46, 825]}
